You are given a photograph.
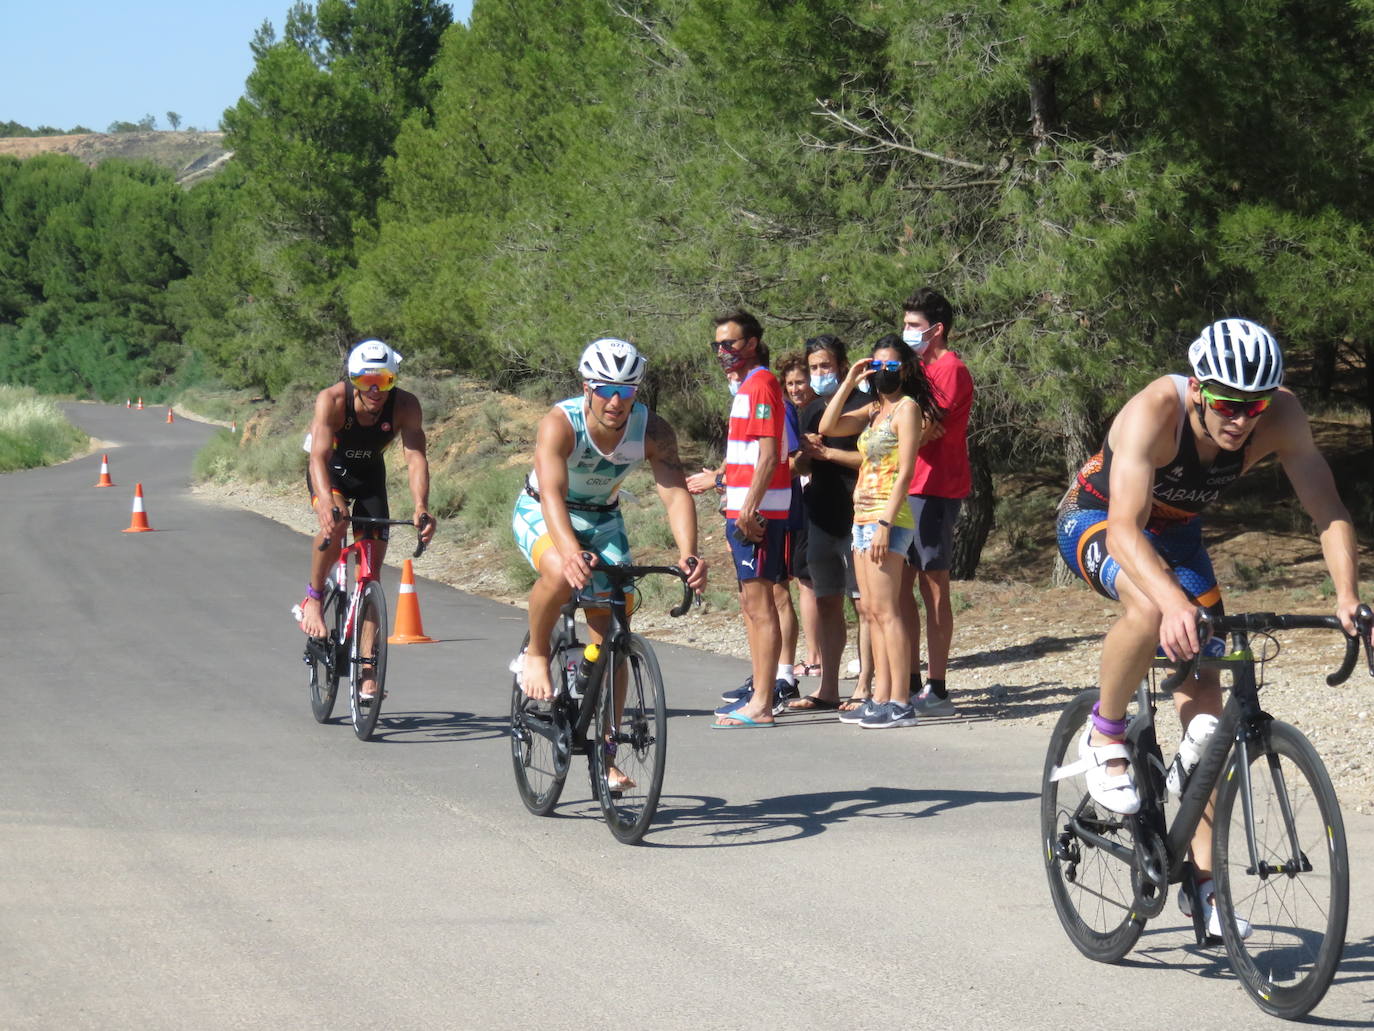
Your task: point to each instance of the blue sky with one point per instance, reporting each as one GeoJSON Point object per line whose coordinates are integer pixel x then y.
{"type": "Point", "coordinates": [87, 63]}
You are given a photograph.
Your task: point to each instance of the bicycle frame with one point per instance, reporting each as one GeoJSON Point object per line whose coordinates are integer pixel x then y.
{"type": "Point", "coordinates": [362, 549]}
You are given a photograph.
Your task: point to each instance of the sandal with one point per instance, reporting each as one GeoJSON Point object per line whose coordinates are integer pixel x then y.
{"type": "Point", "coordinates": [1114, 791]}
{"type": "Point", "coordinates": [854, 702]}
{"type": "Point", "coordinates": [802, 669]}
{"type": "Point", "coordinates": [812, 703]}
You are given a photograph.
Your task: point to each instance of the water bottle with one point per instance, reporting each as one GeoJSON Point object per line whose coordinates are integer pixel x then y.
{"type": "Point", "coordinates": [1200, 729]}
{"type": "Point", "coordinates": [577, 682]}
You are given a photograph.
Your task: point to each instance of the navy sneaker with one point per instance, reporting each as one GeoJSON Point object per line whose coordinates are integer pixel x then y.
{"type": "Point", "coordinates": [738, 694]}
{"type": "Point", "coordinates": [889, 714]}
{"type": "Point", "coordinates": [928, 703]}
{"type": "Point", "coordinates": [857, 714]}
{"type": "Point", "coordinates": [784, 691]}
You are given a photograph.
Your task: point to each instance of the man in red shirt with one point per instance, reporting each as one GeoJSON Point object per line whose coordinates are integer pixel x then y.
{"type": "Point", "coordinates": [758, 497]}
{"type": "Point", "coordinates": [941, 480]}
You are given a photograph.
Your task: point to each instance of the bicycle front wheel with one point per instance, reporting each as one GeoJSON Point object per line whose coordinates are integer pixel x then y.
{"type": "Point", "coordinates": [324, 667]}
{"type": "Point", "coordinates": [541, 737]}
{"type": "Point", "coordinates": [628, 753]}
{"type": "Point", "coordinates": [368, 656]}
{"type": "Point", "coordinates": [1093, 891]}
{"type": "Point", "coordinates": [1297, 898]}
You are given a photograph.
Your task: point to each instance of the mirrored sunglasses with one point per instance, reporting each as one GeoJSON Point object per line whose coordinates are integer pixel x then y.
{"type": "Point", "coordinates": [382, 379]}
{"type": "Point", "coordinates": [1234, 407]}
{"type": "Point", "coordinates": [624, 391]}
{"type": "Point", "coordinates": [883, 366]}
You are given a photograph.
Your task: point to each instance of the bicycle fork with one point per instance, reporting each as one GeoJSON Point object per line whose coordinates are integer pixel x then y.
{"type": "Point", "coordinates": [1297, 862]}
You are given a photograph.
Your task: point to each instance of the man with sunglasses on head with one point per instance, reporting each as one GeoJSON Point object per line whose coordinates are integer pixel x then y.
{"type": "Point", "coordinates": [584, 449]}
{"type": "Point", "coordinates": [355, 421]}
{"type": "Point", "coordinates": [1129, 526]}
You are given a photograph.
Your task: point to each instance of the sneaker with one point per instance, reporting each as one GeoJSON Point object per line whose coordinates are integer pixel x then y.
{"type": "Point", "coordinates": [928, 703]}
{"type": "Point", "coordinates": [738, 694]}
{"type": "Point", "coordinates": [889, 714]}
{"type": "Point", "coordinates": [784, 691]}
{"type": "Point", "coordinates": [1209, 910]}
{"type": "Point", "coordinates": [729, 707]}
{"type": "Point", "coordinates": [856, 715]}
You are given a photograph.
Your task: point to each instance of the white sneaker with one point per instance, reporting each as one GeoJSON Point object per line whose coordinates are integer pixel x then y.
{"type": "Point", "coordinates": [1113, 791]}
{"type": "Point", "coordinates": [1209, 909]}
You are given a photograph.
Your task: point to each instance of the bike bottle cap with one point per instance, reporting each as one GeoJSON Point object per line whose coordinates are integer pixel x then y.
{"type": "Point", "coordinates": [591, 653]}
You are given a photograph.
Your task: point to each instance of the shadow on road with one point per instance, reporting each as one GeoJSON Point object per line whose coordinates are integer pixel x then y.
{"type": "Point", "coordinates": [425, 728]}
{"type": "Point", "coordinates": [789, 817]}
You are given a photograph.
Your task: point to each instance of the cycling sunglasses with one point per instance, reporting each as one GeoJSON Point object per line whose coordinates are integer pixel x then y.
{"type": "Point", "coordinates": [1234, 407]}
{"type": "Point", "coordinates": [382, 379]}
{"type": "Point", "coordinates": [883, 366]}
{"type": "Point", "coordinates": [624, 391]}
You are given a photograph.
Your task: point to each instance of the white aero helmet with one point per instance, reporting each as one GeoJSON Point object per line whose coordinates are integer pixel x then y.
{"type": "Point", "coordinates": [1239, 354]}
{"type": "Point", "coordinates": [609, 360]}
{"type": "Point", "coordinates": [372, 356]}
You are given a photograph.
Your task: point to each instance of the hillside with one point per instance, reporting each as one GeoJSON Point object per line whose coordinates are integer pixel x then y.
{"type": "Point", "coordinates": [193, 156]}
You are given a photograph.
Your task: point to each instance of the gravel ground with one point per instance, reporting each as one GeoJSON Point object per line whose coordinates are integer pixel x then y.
{"type": "Point", "coordinates": [1020, 651]}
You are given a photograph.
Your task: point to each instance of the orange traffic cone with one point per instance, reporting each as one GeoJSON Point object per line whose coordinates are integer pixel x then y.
{"type": "Point", "coordinates": [409, 629]}
{"type": "Point", "coordinates": [104, 480]}
{"type": "Point", "coordinates": [234, 426]}
{"type": "Point", "coordinates": [140, 404]}
{"type": "Point", "coordinates": [128, 402]}
{"type": "Point", "coordinates": [169, 413]}
{"type": "Point", "coordinates": [139, 523]}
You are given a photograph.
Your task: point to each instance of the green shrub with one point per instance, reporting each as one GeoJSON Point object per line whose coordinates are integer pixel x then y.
{"type": "Point", "coordinates": [33, 431]}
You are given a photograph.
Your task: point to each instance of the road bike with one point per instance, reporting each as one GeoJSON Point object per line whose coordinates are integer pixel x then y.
{"type": "Point", "coordinates": [357, 632]}
{"type": "Point", "coordinates": [612, 709]}
{"type": "Point", "coordinates": [1278, 848]}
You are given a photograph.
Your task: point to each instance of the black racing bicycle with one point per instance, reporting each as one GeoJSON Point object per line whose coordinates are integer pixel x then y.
{"type": "Point", "coordinates": [1278, 847]}
{"type": "Point", "coordinates": [608, 704]}
{"type": "Point", "coordinates": [357, 634]}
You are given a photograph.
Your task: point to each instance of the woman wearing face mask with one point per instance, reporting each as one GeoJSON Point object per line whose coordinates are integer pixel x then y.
{"type": "Point", "coordinates": [891, 428]}
{"type": "Point", "coordinates": [796, 388]}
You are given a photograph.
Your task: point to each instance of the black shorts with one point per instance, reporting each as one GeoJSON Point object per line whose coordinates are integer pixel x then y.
{"type": "Point", "coordinates": [366, 495]}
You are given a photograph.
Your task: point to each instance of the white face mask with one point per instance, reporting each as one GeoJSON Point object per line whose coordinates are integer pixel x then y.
{"type": "Point", "coordinates": [825, 384]}
{"type": "Point", "coordinates": [733, 384]}
{"type": "Point", "coordinates": [916, 339]}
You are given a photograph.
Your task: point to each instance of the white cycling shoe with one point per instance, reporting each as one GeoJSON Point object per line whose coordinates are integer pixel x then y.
{"type": "Point", "coordinates": [1209, 910]}
{"type": "Point", "coordinates": [1114, 791]}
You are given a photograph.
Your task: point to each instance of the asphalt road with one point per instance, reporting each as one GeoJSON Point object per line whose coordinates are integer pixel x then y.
{"type": "Point", "coordinates": [182, 846]}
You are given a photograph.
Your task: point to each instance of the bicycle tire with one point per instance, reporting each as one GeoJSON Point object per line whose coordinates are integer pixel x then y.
{"type": "Point", "coordinates": [1093, 892]}
{"type": "Point", "coordinates": [638, 743]}
{"type": "Point", "coordinates": [372, 606]}
{"type": "Point", "coordinates": [541, 738]}
{"type": "Point", "coordinates": [324, 676]}
{"type": "Point", "coordinates": [1297, 921]}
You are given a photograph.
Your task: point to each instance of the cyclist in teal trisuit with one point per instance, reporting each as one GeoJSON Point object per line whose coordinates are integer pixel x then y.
{"type": "Point", "coordinates": [1129, 525]}
{"type": "Point", "coordinates": [584, 449]}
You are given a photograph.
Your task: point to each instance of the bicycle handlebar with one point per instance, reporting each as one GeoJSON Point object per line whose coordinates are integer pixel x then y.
{"type": "Point", "coordinates": [624, 573]}
{"type": "Point", "coordinates": [425, 520]}
{"type": "Point", "coordinates": [1209, 626]}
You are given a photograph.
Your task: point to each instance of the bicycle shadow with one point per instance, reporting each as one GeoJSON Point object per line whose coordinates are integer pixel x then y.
{"type": "Point", "coordinates": [1210, 962]}
{"type": "Point", "coordinates": [423, 728]}
{"type": "Point", "coordinates": [782, 818]}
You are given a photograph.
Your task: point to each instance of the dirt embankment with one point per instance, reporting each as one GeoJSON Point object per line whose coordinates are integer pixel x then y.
{"type": "Point", "coordinates": [190, 155]}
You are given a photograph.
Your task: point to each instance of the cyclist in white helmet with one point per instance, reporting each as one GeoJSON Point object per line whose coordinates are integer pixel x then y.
{"type": "Point", "coordinates": [355, 422]}
{"type": "Point", "coordinates": [584, 449]}
{"type": "Point", "coordinates": [1129, 525]}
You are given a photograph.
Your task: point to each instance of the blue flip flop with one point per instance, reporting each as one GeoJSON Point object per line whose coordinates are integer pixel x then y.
{"type": "Point", "coordinates": [745, 723]}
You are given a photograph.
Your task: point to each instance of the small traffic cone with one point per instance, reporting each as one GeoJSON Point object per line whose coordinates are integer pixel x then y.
{"type": "Point", "coordinates": [169, 413]}
{"type": "Point", "coordinates": [105, 480]}
{"type": "Point", "coordinates": [128, 402]}
{"type": "Point", "coordinates": [139, 523]}
{"type": "Point", "coordinates": [234, 426]}
{"type": "Point", "coordinates": [409, 629]}
{"type": "Point", "coordinates": [140, 404]}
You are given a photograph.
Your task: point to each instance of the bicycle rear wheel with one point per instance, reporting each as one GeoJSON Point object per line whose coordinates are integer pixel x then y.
{"type": "Point", "coordinates": [1093, 891]}
{"type": "Point", "coordinates": [541, 737]}
{"type": "Point", "coordinates": [369, 655]}
{"type": "Point", "coordinates": [323, 659]}
{"type": "Point", "coordinates": [636, 745]}
{"type": "Point", "coordinates": [1296, 901]}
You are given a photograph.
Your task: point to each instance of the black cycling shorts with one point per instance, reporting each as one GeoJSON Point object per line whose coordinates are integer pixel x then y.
{"type": "Point", "coordinates": [366, 495]}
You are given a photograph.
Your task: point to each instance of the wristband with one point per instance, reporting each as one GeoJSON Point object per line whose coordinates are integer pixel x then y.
{"type": "Point", "coordinates": [884, 522]}
{"type": "Point", "coordinates": [720, 481]}
{"type": "Point", "coordinates": [313, 594]}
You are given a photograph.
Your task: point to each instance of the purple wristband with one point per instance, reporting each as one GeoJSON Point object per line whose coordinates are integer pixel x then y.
{"type": "Point", "coordinates": [310, 592]}
{"type": "Point", "coordinates": [1111, 728]}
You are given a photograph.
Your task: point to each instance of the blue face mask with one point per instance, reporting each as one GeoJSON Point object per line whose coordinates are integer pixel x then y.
{"type": "Point", "coordinates": [733, 384]}
{"type": "Point", "coordinates": [825, 384]}
{"type": "Point", "coordinates": [916, 339]}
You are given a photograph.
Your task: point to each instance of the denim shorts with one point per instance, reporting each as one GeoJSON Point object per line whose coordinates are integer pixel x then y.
{"type": "Point", "coordinates": [898, 537]}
